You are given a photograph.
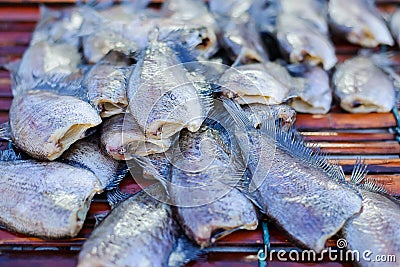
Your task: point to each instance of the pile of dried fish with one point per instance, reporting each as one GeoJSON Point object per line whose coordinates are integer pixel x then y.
{"type": "Point", "coordinates": [187, 94]}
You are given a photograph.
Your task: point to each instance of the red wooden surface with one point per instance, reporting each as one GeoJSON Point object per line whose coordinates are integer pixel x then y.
{"type": "Point", "coordinates": [337, 133]}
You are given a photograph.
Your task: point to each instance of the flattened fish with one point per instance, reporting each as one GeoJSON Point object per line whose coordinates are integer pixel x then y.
{"type": "Point", "coordinates": [360, 22]}
{"type": "Point", "coordinates": [257, 113]}
{"type": "Point", "coordinates": [363, 87]}
{"type": "Point", "coordinates": [122, 139]}
{"type": "Point", "coordinates": [44, 124]}
{"type": "Point", "coordinates": [59, 26]}
{"type": "Point", "coordinates": [43, 59]}
{"type": "Point", "coordinates": [314, 11]}
{"type": "Point", "coordinates": [256, 83]}
{"type": "Point", "coordinates": [45, 199]}
{"type": "Point", "coordinates": [301, 41]}
{"type": "Point", "coordinates": [202, 186]}
{"type": "Point", "coordinates": [315, 95]}
{"type": "Point", "coordinates": [106, 88]}
{"type": "Point", "coordinates": [295, 186]}
{"type": "Point", "coordinates": [139, 232]}
{"type": "Point", "coordinates": [162, 98]}
{"type": "Point", "coordinates": [238, 32]}
{"type": "Point", "coordinates": [194, 16]}
{"type": "Point", "coordinates": [376, 228]}
{"type": "Point", "coordinates": [86, 153]}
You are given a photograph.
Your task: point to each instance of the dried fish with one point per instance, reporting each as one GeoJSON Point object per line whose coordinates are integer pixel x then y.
{"type": "Point", "coordinates": [45, 199]}
{"type": "Point", "coordinates": [139, 232]}
{"type": "Point", "coordinates": [375, 228]}
{"type": "Point", "coordinates": [205, 170]}
{"type": "Point", "coordinates": [42, 60]}
{"type": "Point", "coordinates": [301, 41]}
{"type": "Point", "coordinates": [59, 26]}
{"type": "Point", "coordinates": [315, 95]}
{"type": "Point", "coordinates": [162, 97]}
{"type": "Point", "coordinates": [256, 83]}
{"type": "Point", "coordinates": [295, 186]}
{"type": "Point", "coordinates": [106, 88]}
{"type": "Point", "coordinates": [122, 139]}
{"type": "Point", "coordinates": [363, 87]}
{"type": "Point", "coordinates": [238, 32]}
{"type": "Point", "coordinates": [87, 154]}
{"type": "Point", "coordinates": [44, 124]}
{"type": "Point", "coordinates": [360, 22]}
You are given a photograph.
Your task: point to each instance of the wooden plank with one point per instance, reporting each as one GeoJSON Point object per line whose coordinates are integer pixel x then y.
{"type": "Point", "coordinates": [374, 165]}
{"type": "Point", "coordinates": [359, 148]}
{"type": "Point", "coordinates": [15, 38]}
{"type": "Point", "coordinates": [3, 116]}
{"type": "Point", "coordinates": [5, 104]}
{"type": "Point", "coordinates": [20, 26]}
{"type": "Point", "coordinates": [21, 13]}
{"type": "Point", "coordinates": [344, 121]}
{"type": "Point", "coordinates": [346, 136]}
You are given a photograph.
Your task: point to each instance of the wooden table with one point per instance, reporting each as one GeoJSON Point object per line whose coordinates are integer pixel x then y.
{"type": "Point", "coordinates": [344, 136]}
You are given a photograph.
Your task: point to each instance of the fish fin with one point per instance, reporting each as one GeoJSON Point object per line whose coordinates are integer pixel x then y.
{"type": "Point", "coordinates": [373, 186]}
{"type": "Point", "coordinates": [185, 251]}
{"type": "Point", "coordinates": [5, 131]}
{"type": "Point", "coordinates": [359, 172]}
{"type": "Point", "coordinates": [99, 218]}
{"type": "Point", "coordinates": [116, 196]}
{"type": "Point", "coordinates": [293, 143]}
{"type": "Point", "coordinates": [61, 84]}
{"type": "Point", "coordinates": [9, 154]}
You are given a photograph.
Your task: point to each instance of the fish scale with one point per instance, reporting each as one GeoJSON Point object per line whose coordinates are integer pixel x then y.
{"type": "Point", "coordinates": [45, 199]}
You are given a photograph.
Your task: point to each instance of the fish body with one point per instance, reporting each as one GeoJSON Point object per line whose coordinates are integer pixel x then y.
{"type": "Point", "coordinates": [301, 41]}
{"type": "Point", "coordinates": [43, 59]}
{"type": "Point", "coordinates": [162, 98]}
{"type": "Point", "coordinates": [314, 11]}
{"type": "Point", "coordinates": [44, 124]}
{"type": "Point", "coordinates": [295, 186]}
{"type": "Point", "coordinates": [202, 187]}
{"type": "Point", "coordinates": [315, 96]}
{"type": "Point", "coordinates": [138, 232]}
{"type": "Point", "coordinates": [256, 83]}
{"type": "Point", "coordinates": [362, 87]}
{"type": "Point", "coordinates": [360, 22]}
{"type": "Point", "coordinates": [106, 88]}
{"type": "Point", "coordinates": [375, 228]}
{"type": "Point", "coordinates": [122, 139]}
{"type": "Point", "coordinates": [87, 153]}
{"type": "Point", "coordinates": [59, 26]}
{"type": "Point", "coordinates": [45, 199]}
